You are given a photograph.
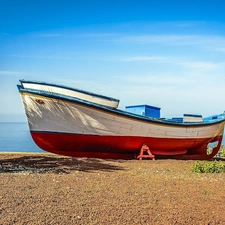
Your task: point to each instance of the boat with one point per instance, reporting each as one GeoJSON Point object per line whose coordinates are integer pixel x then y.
{"type": "Point", "coordinates": [72, 92]}
{"type": "Point", "coordinates": [76, 127]}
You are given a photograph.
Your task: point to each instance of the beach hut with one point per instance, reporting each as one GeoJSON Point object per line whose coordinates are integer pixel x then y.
{"type": "Point", "coordinates": [144, 110]}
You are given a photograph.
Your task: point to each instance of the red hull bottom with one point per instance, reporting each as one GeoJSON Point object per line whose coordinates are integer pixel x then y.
{"type": "Point", "coordinates": [119, 147]}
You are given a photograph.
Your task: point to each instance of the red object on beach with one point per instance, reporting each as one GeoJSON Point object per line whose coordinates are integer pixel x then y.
{"type": "Point", "coordinates": [145, 153]}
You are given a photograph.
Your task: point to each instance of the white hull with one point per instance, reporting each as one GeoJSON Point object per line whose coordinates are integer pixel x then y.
{"type": "Point", "coordinates": [67, 117]}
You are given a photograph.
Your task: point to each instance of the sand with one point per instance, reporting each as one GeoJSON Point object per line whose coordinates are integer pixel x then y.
{"type": "Point", "coordinates": [49, 189]}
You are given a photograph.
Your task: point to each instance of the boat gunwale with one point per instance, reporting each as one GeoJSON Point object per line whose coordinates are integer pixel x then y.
{"type": "Point", "coordinates": [69, 88]}
{"type": "Point", "coordinates": [116, 111]}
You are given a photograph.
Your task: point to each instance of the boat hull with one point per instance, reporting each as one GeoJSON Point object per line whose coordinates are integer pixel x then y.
{"type": "Point", "coordinates": [76, 128]}
{"type": "Point", "coordinates": [119, 147]}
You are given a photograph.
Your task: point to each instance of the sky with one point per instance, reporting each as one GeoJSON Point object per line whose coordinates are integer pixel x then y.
{"type": "Point", "coordinates": [165, 53]}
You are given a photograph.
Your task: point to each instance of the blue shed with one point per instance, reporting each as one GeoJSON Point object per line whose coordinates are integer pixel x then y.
{"type": "Point", "coordinates": [144, 110]}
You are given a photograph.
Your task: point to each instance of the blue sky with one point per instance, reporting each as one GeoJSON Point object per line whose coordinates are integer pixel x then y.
{"type": "Point", "coordinates": [170, 54]}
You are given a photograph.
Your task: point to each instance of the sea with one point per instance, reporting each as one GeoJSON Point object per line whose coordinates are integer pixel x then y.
{"type": "Point", "coordinates": [15, 137]}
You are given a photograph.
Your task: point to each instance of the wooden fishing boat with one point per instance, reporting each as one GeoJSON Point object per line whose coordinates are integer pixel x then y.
{"type": "Point", "coordinates": [72, 92]}
{"type": "Point", "coordinates": [73, 126]}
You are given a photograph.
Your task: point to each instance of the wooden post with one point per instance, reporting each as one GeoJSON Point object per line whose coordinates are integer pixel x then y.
{"type": "Point", "coordinates": [145, 153]}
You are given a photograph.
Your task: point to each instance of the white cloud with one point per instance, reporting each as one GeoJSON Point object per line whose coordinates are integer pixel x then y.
{"type": "Point", "coordinates": [41, 57]}
{"type": "Point", "coordinates": [6, 72]}
{"type": "Point", "coordinates": [179, 61]}
{"type": "Point", "coordinates": [205, 41]}
{"type": "Point", "coordinates": [217, 49]}
{"type": "Point", "coordinates": [201, 65]}
{"type": "Point", "coordinates": [137, 58]}
{"type": "Point", "coordinates": [95, 35]}
{"type": "Point", "coordinates": [163, 39]}
{"type": "Point", "coordinates": [47, 35]}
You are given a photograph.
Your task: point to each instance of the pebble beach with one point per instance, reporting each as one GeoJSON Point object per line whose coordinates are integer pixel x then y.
{"type": "Point", "coordinates": [38, 188]}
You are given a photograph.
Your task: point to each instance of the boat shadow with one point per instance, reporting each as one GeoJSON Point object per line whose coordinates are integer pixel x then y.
{"type": "Point", "coordinates": [58, 165]}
